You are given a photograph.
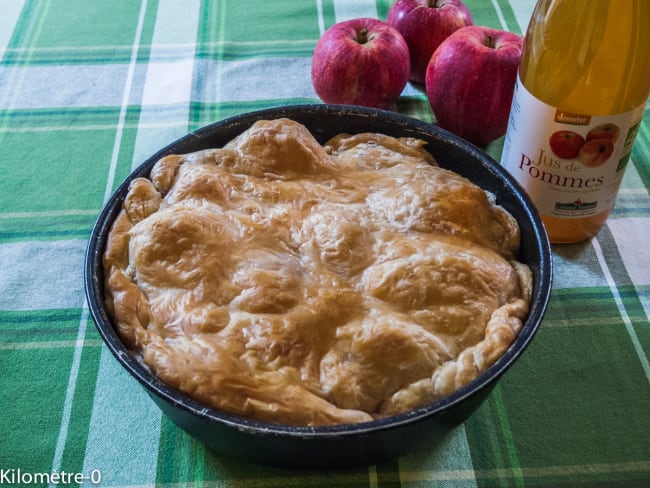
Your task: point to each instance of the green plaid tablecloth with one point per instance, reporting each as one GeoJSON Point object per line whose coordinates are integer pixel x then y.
{"type": "Point", "coordinates": [89, 89]}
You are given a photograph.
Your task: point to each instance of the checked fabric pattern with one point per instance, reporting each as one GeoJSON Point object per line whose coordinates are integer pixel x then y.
{"type": "Point", "coordinates": [89, 89]}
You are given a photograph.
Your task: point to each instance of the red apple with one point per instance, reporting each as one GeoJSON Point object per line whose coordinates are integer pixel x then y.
{"type": "Point", "coordinates": [424, 25]}
{"type": "Point", "coordinates": [604, 131]}
{"type": "Point", "coordinates": [361, 61]}
{"type": "Point", "coordinates": [566, 144]}
{"type": "Point", "coordinates": [596, 152]}
{"type": "Point", "coordinates": [470, 82]}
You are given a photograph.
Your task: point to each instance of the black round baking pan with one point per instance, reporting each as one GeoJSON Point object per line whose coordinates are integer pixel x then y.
{"type": "Point", "coordinates": [342, 445]}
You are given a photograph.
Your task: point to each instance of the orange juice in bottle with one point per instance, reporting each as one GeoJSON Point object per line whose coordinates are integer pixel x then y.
{"type": "Point", "coordinates": [583, 84]}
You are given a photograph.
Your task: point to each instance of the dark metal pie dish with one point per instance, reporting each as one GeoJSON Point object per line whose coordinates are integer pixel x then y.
{"type": "Point", "coordinates": [341, 445]}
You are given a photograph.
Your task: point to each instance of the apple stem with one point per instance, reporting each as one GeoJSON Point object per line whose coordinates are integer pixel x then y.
{"type": "Point", "coordinates": [362, 36]}
{"type": "Point", "coordinates": [434, 4]}
{"type": "Point", "coordinates": [489, 42]}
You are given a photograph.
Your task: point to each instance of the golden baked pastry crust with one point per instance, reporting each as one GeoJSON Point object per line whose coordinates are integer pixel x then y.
{"type": "Point", "coordinates": [310, 285]}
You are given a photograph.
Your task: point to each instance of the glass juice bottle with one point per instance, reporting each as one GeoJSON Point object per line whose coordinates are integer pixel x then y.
{"type": "Point", "coordinates": [583, 84]}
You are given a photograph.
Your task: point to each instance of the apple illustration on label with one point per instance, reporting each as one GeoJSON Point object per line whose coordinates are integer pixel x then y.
{"type": "Point", "coordinates": [470, 82]}
{"type": "Point", "coordinates": [566, 144]}
{"type": "Point", "coordinates": [424, 25]}
{"type": "Point", "coordinates": [595, 152]}
{"type": "Point", "coordinates": [361, 61]}
{"type": "Point", "coordinates": [604, 131]}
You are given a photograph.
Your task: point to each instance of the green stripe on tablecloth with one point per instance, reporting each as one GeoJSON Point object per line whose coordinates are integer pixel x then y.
{"type": "Point", "coordinates": [23, 328]}
{"type": "Point", "coordinates": [93, 119]}
{"type": "Point", "coordinates": [214, 22]}
{"type": "Point", "coordinates": [61, 118]}
{"type": "Point", "coordinates": [382, 8]}
{"type": "Point", "coordinates": [572, 303]}
{"type": "Point", "coordinates": [235, 51]}
{"type": "Point", "coordinates": [72, 224]}
{"type": "Point", "coordinates": [641, 152]}
{"type": "Point", "coordinates": [68, 55]}
{"type": "Point", "coordinates": [179, 456]}
{"type": "Point", "coordinates": [510, 448]}
{"type": "Point", "coordinates": [121, 54]}
{"type": "Point", "coordinates": [27, 318]}
{"type": "Point", "coordinates": [208, 38]}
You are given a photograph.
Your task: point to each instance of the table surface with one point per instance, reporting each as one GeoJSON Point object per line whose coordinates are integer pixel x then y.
{"type": "Point", "coordinates": [88, 90]}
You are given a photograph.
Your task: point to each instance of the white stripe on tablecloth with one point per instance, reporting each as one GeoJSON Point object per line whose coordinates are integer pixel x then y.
{"type": "Point", "coordinates": [168, 81]}
{"type": "Point", "coordinates": [55, 270]}
{"type": "Point", "coordinates": [629, 234]}
{"type": "Point", "coordinates": [351, 9]}
{"type": "Point", "coordinates": [63, 86]}
{"type": "Point", "coordinates": [523, 9]}
{"type": "Point", "coordinates": [321, 19]}
{"type": "Point", "coordinates": [260, 79]}
{"type": "Point", "coordinates": [124, 428]}
{"type": "Point", "coordinates": [125, 102]}
{"type": "Point", "coordinates": [11, 10]}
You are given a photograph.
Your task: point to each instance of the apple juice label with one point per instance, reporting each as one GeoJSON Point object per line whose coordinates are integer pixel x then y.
{"type": "Point", "coordinates": [570, 164]}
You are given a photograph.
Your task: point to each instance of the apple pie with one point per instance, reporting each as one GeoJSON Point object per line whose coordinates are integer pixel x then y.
{"type": "Point", "coordinates": [306, 284]}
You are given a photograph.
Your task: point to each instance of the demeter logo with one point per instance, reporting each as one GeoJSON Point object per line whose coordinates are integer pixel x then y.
{"type": "Point", "coordinates": [563, 117]}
